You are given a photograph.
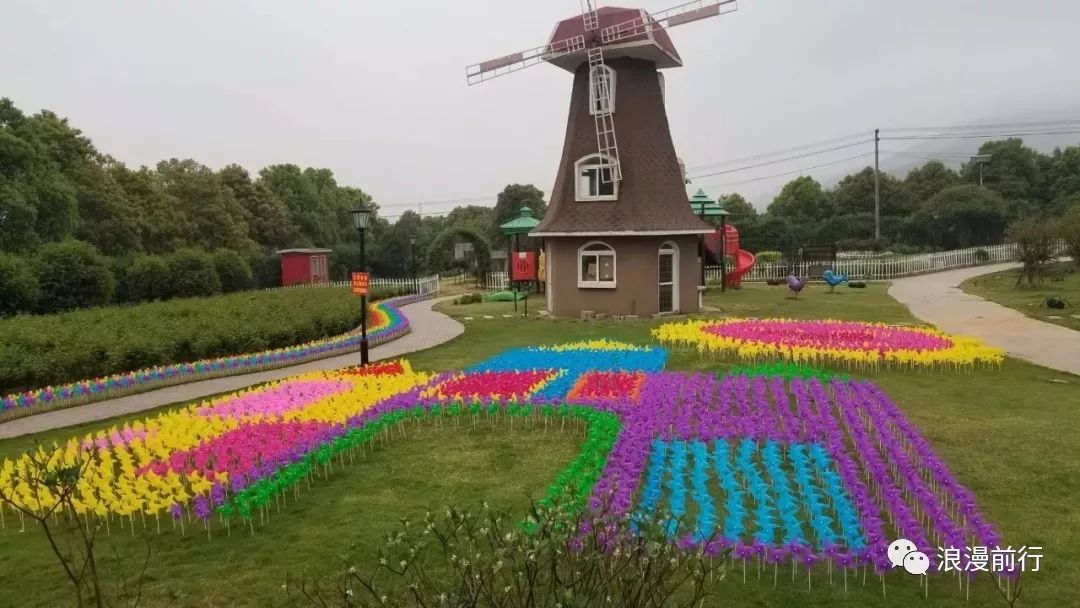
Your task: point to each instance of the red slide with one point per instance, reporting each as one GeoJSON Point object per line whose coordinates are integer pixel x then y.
{"type": "Point", "coordinates": [744, 261]}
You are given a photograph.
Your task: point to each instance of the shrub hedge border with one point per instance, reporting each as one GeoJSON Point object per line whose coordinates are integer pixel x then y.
{"type": "Point", "coordinates": [393, 325]}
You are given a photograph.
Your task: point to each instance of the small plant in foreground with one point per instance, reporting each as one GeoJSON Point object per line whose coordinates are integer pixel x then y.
{"type": "Point", "coordinates": [557, 557]}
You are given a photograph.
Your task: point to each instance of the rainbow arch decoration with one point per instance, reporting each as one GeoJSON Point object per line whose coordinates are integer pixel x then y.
{"type": "Point", "coordinates": [780, 463]}
{"type": "Point", "coordinates": [386, 322]}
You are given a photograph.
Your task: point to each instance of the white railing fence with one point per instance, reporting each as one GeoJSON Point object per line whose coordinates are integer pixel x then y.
{"type": "Point", "coordinates": [882, 268]}
{"type": "Point", "coordinates": [422, 285]}
{"type": "Point", "coordinates": [494, 281]}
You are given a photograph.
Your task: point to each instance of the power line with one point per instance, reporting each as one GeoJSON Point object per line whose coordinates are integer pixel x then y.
{"type": "Point", "coordinates": [981, 135]}
{"type": "Point", "coordinates": [803, 169]}
{"type": "Point", "coordinates": [782, 160]}
{"type": "Point", "coordinates": [1003, 125]}
{"type": "Point", "coordinates": [799, 148]}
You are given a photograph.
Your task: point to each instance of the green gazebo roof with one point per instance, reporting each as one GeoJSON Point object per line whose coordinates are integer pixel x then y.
{"type": "Point", "coordinates": [703, 206]}
{"type": "Point", "coordinates": [521, 224]}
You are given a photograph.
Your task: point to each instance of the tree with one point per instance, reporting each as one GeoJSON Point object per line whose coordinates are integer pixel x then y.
{"type": "Point", "coordinates": [18, 286]}
{"type": "Point", "coordinates": [963, 216]}
{"type": "Point", "coordinates": [802, 200]}
{"type": "Point", "coordinates": [855, 194]}
{"type": "Point", "coordinates": [475, 218]}
{"type": "Point", "coordinates": [268, 218]}
{"type": "Point", "coordinates": [1015, 172]}
{"type": "Point", "coordinates": [219, 221]}
{"type": "Point", "coordinates": [1070, 233]}
{"type": "Point", "coordinates": [509, 203]}
{"type": "Point", "coordinates": [924, 182]}
{"type": "Point", "coordinates": [741, 212]}
{"type": "Point", "coordinates": [233, 271]}
{"type": "Point", "coordinates": [1034, 238]}
{"type": "Point", "coordinates": [192, 274]}
{"type": "Point", "coordinates": [147, 279]}
{"type": "Point", "coordinates": [72, 274]}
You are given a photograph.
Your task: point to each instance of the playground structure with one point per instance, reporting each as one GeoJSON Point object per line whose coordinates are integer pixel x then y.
{"type": "Point", "coordinates": [744, 260]}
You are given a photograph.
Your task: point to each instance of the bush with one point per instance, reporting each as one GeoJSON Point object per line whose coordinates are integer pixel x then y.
{"type": "Point", "coordinates": [265, 270]}
{"type": "Point", "coordinates": [46, 350]}
{"type": "Point", "coordinates": [18, 286]}
{"type": "Point", "coordinates": [982, 256]}
{"type": "Point", "coordinates": [147, 279]}
{"type": "Point", "coordinates": [72, 274]}
{"type": "Point", "coordinates": [1034, 238]}
{"type": "Point", "coordinates": [191, 274]}
{"type": "Point", "coordinates": [233, 271]}
{"type": "Point", "coordinates": [767, 257]}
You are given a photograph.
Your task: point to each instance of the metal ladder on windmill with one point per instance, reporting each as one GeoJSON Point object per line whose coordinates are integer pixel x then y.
{"type": "Point", "coordinates": [610, 168]}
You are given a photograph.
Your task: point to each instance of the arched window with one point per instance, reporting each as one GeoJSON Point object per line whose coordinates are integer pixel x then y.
{"type": "Point", "coordinates": [663, 88]}
{"type": "Point", "coordinates": [601, 90]}
{"type": "Point", "coordinates": [594, 181]}
{"type": "Point", "coordinates": [596, 265]}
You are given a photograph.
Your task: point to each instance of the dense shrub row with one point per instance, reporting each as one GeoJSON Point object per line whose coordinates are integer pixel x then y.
{"type": "Point", "coordinates": [41, 350]}
{"type": "Point", "coordinates": [72, 274]}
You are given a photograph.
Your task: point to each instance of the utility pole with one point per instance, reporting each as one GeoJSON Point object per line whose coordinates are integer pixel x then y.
{"type": "Point", "coordinates": [981, 159]}
{"type": "Point", "coordinates": [877, 188]}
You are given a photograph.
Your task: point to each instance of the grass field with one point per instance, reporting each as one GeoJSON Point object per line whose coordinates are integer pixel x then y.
{"type": "Point", "coordinates": [1061, 280]}
{"type": "Point", "coordinates": [1008, 434]}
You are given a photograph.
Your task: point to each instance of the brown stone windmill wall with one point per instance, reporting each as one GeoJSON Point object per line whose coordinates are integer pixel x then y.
{"type": "Point", "coordinates": [651, 209]}
{"type": "Point", "coordinates": [652, 195]}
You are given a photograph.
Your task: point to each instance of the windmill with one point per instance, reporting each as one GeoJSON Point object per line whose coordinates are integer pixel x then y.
{"type": "Point", "coordinates": [591, 41]}
{"type": "Point", "coordinates": [618, 236]}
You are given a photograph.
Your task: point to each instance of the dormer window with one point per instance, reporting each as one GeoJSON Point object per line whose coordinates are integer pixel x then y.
{"type": "Point", "coordinates": [601, 90]}
{"type": "Point", "coordinates": [594, 181]}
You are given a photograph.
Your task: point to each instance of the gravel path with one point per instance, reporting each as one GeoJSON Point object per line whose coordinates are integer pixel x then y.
{"type": "Point", "coordinates": [429, 328]}
{"type": "Point", "coordinates": [937, 299]}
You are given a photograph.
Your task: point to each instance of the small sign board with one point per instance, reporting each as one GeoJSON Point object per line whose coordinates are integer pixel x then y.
{"type": "Point", "coordinates": [360, 283]}
{"type": "Point", "coordinates": [523, 267]}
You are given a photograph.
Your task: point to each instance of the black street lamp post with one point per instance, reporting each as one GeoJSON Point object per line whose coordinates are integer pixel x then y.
{"type": "Point", "coordinates": [361, 221]}
{"type": "Point", "coordinates": [412, 254]}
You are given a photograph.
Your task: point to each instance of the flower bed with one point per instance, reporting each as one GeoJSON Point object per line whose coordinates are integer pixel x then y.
{"type": "Point", "coordinates": [386, 324]}
{"type": "Point", "coordinates": [849, 343]}
{"type": "Point", "coordinates": [780, 463]}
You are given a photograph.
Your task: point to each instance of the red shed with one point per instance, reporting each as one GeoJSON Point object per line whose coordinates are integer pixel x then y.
{"type": "Point", "coordinates": [299, 266]}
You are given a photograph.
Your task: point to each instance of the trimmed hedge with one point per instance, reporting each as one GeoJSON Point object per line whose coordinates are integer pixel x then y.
{"type": "Point", "coordinates": [38, 351]}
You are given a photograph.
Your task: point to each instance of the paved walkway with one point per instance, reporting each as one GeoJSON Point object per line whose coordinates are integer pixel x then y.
{"type": "Point", "coordinates": [937, 299]}
{"type": "Point", "coordinates": [429, 328]}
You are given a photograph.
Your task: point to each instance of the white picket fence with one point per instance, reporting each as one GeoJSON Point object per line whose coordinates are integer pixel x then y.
{"type": "Point", "coordinates": [423, 285]}
{"type": "Point", "coordinates": [881, 268]}
{"type": "Point", "coordinates": [494, 281]}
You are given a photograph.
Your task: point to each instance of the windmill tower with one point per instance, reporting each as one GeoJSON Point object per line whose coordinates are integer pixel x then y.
{"type": "Point", "coordinates": [618, 235]}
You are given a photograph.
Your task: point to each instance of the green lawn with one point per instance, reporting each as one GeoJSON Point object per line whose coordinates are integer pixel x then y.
{"type": "Point", "coordinates": [1009, 434]}
{"type": "Point", "coordinates": [1061, 280]}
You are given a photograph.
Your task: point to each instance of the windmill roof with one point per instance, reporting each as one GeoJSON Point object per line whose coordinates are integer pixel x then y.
{"type": "Point", "coordinates": [654, 45]}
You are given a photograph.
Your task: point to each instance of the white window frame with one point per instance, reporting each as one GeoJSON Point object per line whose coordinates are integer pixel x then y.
{"type": "Point", "coordinates": [594, 86]}
{"type": "Point", "coordinates": [597, 284]}
{"type": "Point", "coordinates": [588, 161]}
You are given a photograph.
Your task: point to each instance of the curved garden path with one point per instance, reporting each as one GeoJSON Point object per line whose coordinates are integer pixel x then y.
{"type": "Point", "coordinates": [429, 328]}
{"type": "Point", "coordinates": [937, 299]}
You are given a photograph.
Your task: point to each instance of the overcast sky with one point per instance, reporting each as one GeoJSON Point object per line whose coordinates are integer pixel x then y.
{"type": "Point", "coordinates": [375, 89]}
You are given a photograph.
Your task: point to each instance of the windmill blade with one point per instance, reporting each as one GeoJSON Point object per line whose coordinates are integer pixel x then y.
{"type": "Point", "coordinates": [600, 94]}
{"type": "Point", "coordinates": [507, 64]}
{"type": "Point", "coordinates": [676, 15]}
{"type": "Point", "coordinates": [589, 16]}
